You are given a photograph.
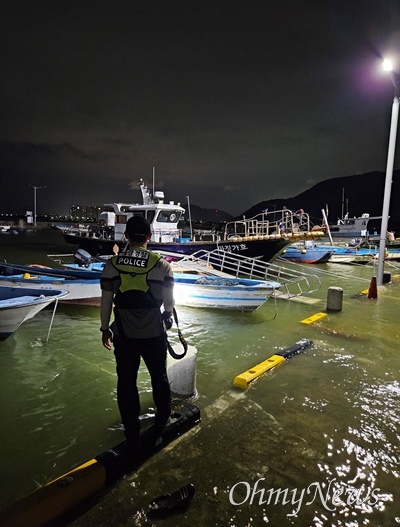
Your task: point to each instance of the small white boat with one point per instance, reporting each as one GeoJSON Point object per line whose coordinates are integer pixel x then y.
{"type": "Point", "coordinates": [195, 283]}
{"type": "Point", "coordinates": [350, 257]}
{"type": "Point", "coordinates": [20, 304]}
{"type": "Point", "coordinates": [355, 252]}
{"type": "Point", "coordinates": [216, 292]}
{"type": "Point", "coordinates": [198, 284]}
{"type": "Point", "coordinates": [83, 288]}
{"type": "Point", "coordinates": [390, 254]}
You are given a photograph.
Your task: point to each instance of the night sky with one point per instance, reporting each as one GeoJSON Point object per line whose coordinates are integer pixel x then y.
{"type": "Point", "coordinates": [233, 102]}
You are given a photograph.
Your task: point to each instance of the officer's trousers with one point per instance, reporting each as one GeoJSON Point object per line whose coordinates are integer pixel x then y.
{"type": "Point", "coordinates": [127, 354]}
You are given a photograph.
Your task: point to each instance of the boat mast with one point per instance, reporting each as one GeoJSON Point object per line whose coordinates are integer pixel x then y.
{"type": "Point", "coordinates": [190, 218]}
{"type": "Point", "coordinates": [342, 203]}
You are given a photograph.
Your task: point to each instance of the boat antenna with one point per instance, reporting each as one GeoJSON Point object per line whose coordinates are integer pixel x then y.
{"type": "Point", "coordinates": [154, 179]}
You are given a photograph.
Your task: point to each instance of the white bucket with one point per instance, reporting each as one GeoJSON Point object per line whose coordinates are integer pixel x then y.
{"type": "Point", "coordinates": [182, 372]}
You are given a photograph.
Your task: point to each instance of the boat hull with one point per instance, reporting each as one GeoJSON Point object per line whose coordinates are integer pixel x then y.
{"type": "Point", "coordinates": [221, 293]}
{"type": "Point", "coordinates": [306, 256]}
{"type": "Point", "coordinates": [17, 306]}
{"type": "Point", "coordinates": [263, 247]}
{"type": "Point", "coordinates": [83, 292]}
{"type": "Point", "coordinates": [348, 255]}
{"type": "Point", "coordinates": [350, 259]}
{"type": "Point", "coordinates": [390, 255]}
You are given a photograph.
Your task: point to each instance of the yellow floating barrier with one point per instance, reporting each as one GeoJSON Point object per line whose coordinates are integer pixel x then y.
{"type": "Point", "coordinates": [244, 379]}
{"type": "Point", "coordinates": [314, 318]}
{"type": "Point", "coordinates": [56, 498]}
{"type": "Point", "coordinates": [49, 503]}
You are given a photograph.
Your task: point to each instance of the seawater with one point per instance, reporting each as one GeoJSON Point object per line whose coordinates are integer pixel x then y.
{"type": "Point", "coordinates": [315, 442]}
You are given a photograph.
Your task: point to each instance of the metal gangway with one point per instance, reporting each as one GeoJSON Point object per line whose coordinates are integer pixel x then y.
{"type": "Point", "coordinates": [295, 283]}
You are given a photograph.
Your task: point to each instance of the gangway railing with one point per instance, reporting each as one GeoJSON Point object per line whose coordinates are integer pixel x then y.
{"type": "Point", "coordinates": [281, 222]}
{"type": "Point", "coordinates": [295, 283]}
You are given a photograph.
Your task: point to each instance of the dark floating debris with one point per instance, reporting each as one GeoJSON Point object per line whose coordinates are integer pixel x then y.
{"type": "Point", "coordinates": [170, 503]}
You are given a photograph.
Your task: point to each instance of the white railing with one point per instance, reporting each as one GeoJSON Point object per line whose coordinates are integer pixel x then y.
{"type": "Point", "coordinates": [295, 283]}
{"type": "Point", "coordinates": [267, 223]}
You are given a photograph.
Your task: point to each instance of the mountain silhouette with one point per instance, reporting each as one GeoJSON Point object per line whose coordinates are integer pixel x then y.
{"type": "Point", "coordinates": [363, 193]}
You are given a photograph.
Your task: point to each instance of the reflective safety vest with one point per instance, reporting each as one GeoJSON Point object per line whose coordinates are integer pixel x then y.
{"type": "Point", "coordinates": [134, 291]}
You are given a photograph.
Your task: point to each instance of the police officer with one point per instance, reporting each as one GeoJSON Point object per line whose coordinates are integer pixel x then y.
{"type": "Point", "coordinates": [138, 282]}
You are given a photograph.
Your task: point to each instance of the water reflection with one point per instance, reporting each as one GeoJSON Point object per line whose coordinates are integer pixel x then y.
{"type": "Point", "coordinates": [327, 420]}
{"type": "Point", "coordinates": [364, 460]}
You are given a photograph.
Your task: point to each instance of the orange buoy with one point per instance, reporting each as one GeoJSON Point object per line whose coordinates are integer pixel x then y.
{"type": "Point", "coordinates": [373, 289]}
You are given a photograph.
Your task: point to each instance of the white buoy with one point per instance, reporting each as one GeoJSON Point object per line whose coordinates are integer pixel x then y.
{"type": "Point", "coordinates": [335, 299]}
{"type": "Point", "coordinates": [182, 373]}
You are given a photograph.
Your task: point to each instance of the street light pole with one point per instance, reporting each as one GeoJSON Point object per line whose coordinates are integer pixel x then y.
{"type": "Point", "coordinates": [34, 201]}
{"type": "Point", "coordinates": [190, 218]}
{"type": "Point", "coordinates": [389, 176]}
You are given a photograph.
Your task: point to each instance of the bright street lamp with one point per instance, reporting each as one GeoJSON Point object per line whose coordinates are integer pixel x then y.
{"type": "Point", "coordinates": [34, 201]}
{"type": "Point", "coordinates": [387, 66]}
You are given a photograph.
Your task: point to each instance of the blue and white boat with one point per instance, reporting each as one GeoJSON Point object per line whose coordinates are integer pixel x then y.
{"type": "Point", "coordinates": [217, 292]}
{"type": "Point", "coordinates": [82, 285]}
{"type": "Point", "coordinates": [192, 288]}
{"type": "Point", "coordinates": [18, 304]}
{"type": "Point", "coordinates": [306, 253]}
{"type": "Point", "coordinates": [350, 255]}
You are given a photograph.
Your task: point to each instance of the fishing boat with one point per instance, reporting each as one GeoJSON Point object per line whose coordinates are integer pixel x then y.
{"type": "Point", "coordinates": [347, 255]}
{"type": "Point", "coordinates": [262, 236]}
{"type": "Point", "coordinates": [306, 252]}
{"type": "Point", "coordinates": [226, 293]}
{"type": "Point", "coordinates": [193, 287]}
{"type": "Point", "coordinates": [197, 285]}
{"type": "Point", "coordinates": [218, 292]}
{"type": "Point", "coordinates": [243, 283]}
{"type": "Point", "coordinates": [355, 227]}
{"type": "Point", "coordinates": [392, 249]}
{"type": "Point", "coordinates": [82, 285]}
{"type": "Point", "coordinates": [18, 304]}
{"type": "Point", "coordinates": [357, 251]}
{"type": "Point", "coordinates": [391, 254]}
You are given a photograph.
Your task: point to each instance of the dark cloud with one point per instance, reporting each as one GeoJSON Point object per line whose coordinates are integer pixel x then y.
{"type": "Point", "coordinates": [234, 101]}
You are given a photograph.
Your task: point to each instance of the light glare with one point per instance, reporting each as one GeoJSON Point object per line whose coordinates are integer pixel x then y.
{"type": "Point", "coordinates": [387, 65]}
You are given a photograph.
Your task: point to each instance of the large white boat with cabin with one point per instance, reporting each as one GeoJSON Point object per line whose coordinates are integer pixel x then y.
{"type": "Point", "coordinates": [262, 236]}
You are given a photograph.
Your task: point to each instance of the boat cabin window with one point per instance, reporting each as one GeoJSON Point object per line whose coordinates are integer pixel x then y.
{"type": "Point", "coordinates": [120, 218]}
{"type": "Point", "coordinates": [168, 216]}
{"type": "Point", "coordinates": [150, 215]}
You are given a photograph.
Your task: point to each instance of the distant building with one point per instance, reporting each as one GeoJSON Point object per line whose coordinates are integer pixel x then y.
{"type": "Point", "coordinates": [85, 212]}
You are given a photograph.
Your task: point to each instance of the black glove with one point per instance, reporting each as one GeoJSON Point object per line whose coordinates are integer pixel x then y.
{"type": "Point", "coordinates": [167, 320]}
